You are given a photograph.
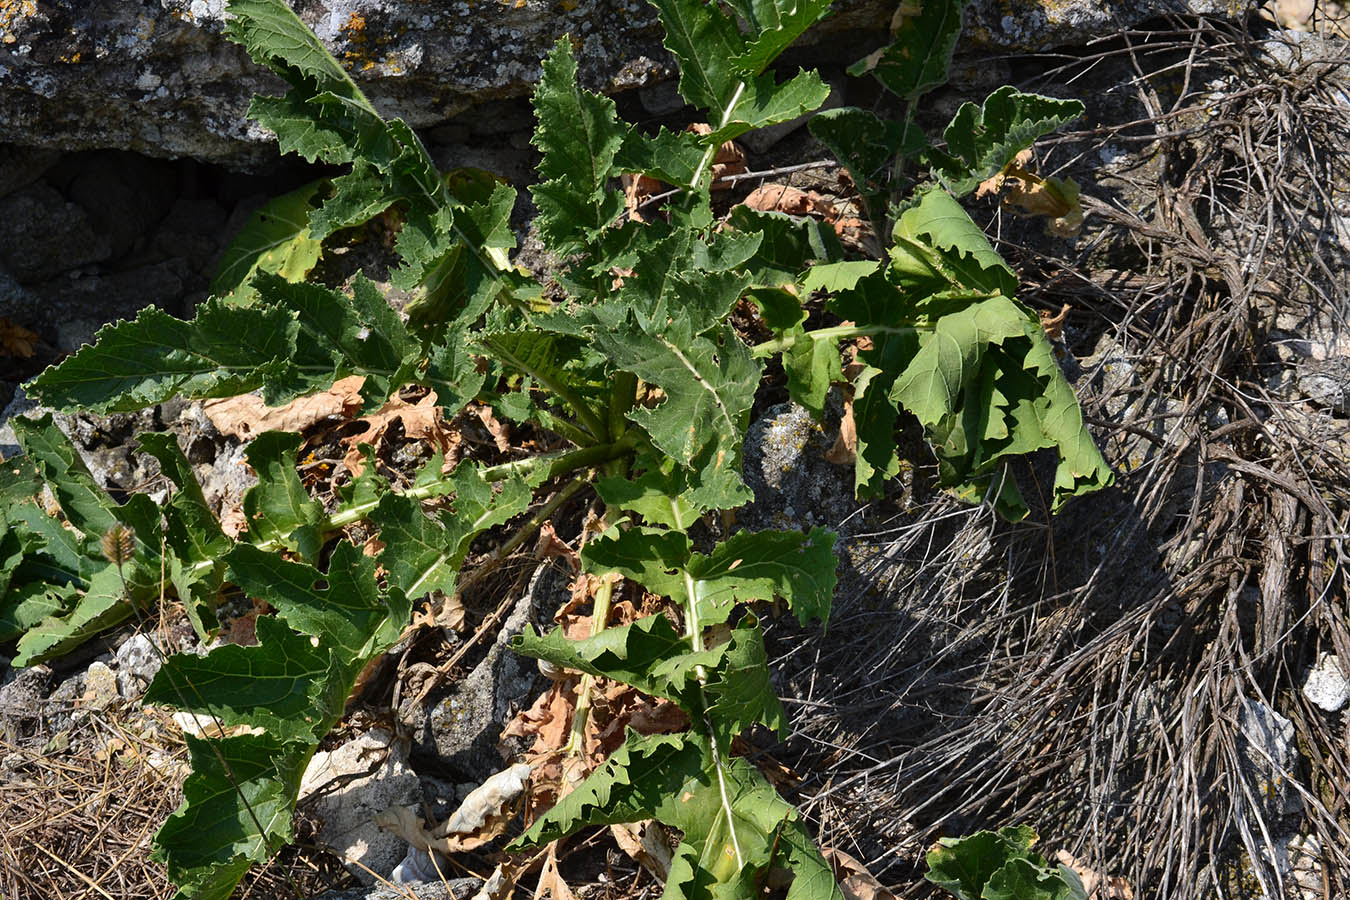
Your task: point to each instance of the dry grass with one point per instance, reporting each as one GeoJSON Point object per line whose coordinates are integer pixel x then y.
{"type": "Point", "coordinates": [1083, 674]}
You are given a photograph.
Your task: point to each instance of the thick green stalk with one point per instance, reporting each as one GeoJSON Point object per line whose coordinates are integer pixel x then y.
{"type": "Point", "coordinates": [593, 422]}
{"type": "Point", "coordinates": [622, 397]}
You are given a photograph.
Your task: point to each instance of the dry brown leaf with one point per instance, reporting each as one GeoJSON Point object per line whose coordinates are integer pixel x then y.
{"type": "Point", "coordinates": [729, 159]}
{"type": "Point", "coordinates": [1098, 887]}
{"type": "Point", "coordinates": [15, 340]}
{"type": "Point", "coordinates": [246, 416]}
{"type": "Point", "coordinates": [501, 884]}
{"type": "Point", "coordinates": [1054, 324]}
{"type": "Point", "coordinates": [233, 522]}
{"type": "Point", "coordinates": [549, 718]}
{"type": "Point", "coordinates": [549, 546]}
{"type": "Point", "coordinates": [845, 449]}
{"type": "Point", "coordinates": [421, 421]}
{"type": "Point", "coordinates": [646, 844]}
{"type": "Point", "coordinates": [551, 880]}
{"type": "Point", "coordinates": [501, 433]}
{"type": "Point", "coordinates": [482, 816]}
{"type": "Point", "coordinates": [447, 610]}
{"type": "Point", "coordinates": [857, 235]}
{"type": "Point", "coordinates": [790, 200]}
{"type": "Point", "coordinates": [854, 880]}
{"type": "Point", "coordinates": [636, 190]}
{"type": "Point", "coordinates": [1034, 195]}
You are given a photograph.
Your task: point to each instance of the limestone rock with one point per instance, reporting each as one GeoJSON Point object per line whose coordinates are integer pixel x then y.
{"type": "Point", "coordinates": [1327, 684]}
{"type": "Point", "coordinates": [157, 77]}
{"type": "Point", "coordinates": [351, 785]}
{"type": "Point", "coordinates": [1037, 24]}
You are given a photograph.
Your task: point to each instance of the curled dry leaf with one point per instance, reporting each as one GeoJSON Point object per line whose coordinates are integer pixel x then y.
{"type": "Point", "coordinates": [646, 844]}
{"type": "Point", "coordinates": [1054, 324]}
{"type": "Point", "coordinates": [1034, 195]}
{"type": "Point", "coordinates": [549, 546]}
{"type": "Point", "coordinates": [421, 421]}
{"type": "Point", "coordinates": [550, 879]}
{"type": "Point", "coordinates": [502, 882]}
{"type": "Point", "coordinates": [845, 449]}
{"type": "Point", "coordinates": [246, 416]}
{"type": "Point", "coordinates": [482, 816]}
{"type": "Point", "coordinates": [854, 880]}
{"type": "Point", "coordinates": [1098, 886]}
{"type": "Point", "coordinates": [501, 433]}
{"type": "Point", "coordinates": [636, 190]}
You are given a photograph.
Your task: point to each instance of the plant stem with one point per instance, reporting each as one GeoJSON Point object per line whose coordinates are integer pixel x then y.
{"type": "Point", "coordinates": [594, 424]}
{"type": "Point", "coordinates": [521, 534]}
{"type": "Point", "coordinates": [599, 615]}
{"type": "Point", "coordinates": [711, 150]}
{"type": "Point", "coordinates": [622, 398]}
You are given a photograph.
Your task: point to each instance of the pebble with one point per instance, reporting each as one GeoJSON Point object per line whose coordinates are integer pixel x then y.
{"type": "Point", "coordinates": [1326, 684]}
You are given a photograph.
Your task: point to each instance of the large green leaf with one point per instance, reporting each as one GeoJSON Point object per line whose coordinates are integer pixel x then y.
{"type": "Point", "coordinates": [281, 684]}
{"type": "Point", "coordinates": [648, 654]}
{"type": "Point", "coordinates": [774, 25]}
{"type": "Point", "coordinates": [297, 339]}
{"type": "Point", "coordinates": [236, 811]}
{"type": "Point", "coordinates": [874, 303]}
{"type": "Point", "coordinates": [274, 239]}
{"type": "Point", "coordinates": [920, 52]}
{"type": "Point", "coordinates": [222, 352]}
{"type": "Point", "coordinates": [726, 845]}
{"type": "Point", "coordinates": [709, 382]}
{"type": "Point", "coordinates": [715, 59]}
{"type": "Point", "coordinates": [937, 247]}
{"type": "Point", "coordinates": [866, 145]}
{"type": "Point", "coordinates": [578, 134]}
{"type": "Point", "coordinates": [1000, 865]}
{"type": "Point", "coordinates": [238, 802]}
{"type": "Point", "coordinates": [981, 141]}
{"type": "Point", "coordinates": [345, 607]}
{"type": "Point", "coordinates": [326, 117]}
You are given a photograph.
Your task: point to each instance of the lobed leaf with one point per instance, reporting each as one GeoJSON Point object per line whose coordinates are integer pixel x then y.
{"type": "Point", "coordinates": [983, 140]}
{"type": "Point", "coordinates": [920, 53]}
{"type": "Point", "coordinates": [748, 566]}
{"type": "Point", "coordinates": [709, 382]}
{"type": "Point", "coordinates": [424, 553]}
{"type": "Point", "coordinates": [723, 74]}
{"type": "Point", "coordinates": [676, 780]}
{"type": "Point", "coordinates": [578, 135]}
{"type": "Point", "coordinates": [1000, 865]}
{"type": "Point", "coordinates": [274, 239]}
{"type": "Point", "coordinates": [236, 811]}
{"type": "Point", "coordinates": [278, 509]}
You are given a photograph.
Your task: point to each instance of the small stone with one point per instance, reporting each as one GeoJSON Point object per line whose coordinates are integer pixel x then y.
{"type": "Point", "coordinates": [1271, 755]}
{"type": "Point", "coordinates": [100, 687]}
{"type": "Point", "coordinates": [1327, 685]}
{"type": "Point", "coordinates": [137, 662]}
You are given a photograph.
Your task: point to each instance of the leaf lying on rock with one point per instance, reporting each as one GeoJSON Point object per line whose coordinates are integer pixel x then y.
{"type": "Point", "coordinates": [482, 816]}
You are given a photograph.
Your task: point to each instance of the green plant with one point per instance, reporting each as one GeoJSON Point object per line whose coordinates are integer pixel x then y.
{"type": "Point", "coordinates": [946, 340]}
{"type": "Point", "coordinates": [1000, 865]}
